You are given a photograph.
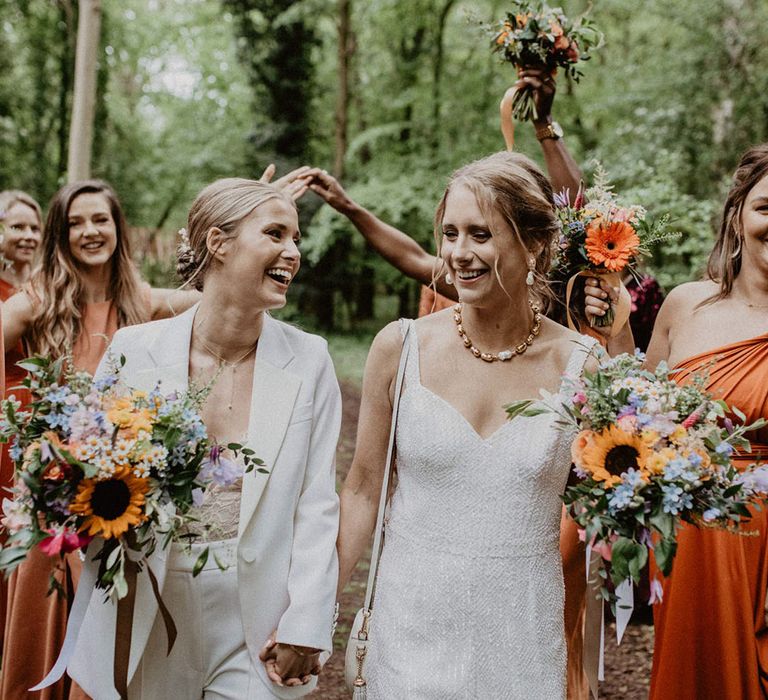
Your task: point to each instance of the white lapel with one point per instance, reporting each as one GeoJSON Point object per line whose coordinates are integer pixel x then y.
{"type": "Point", "coordinates": [272, 399]}
{"type": "Point", "coordinates": [170, 352]}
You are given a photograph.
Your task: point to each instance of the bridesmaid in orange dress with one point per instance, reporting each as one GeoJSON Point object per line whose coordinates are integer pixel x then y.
{"type": "Point", "coordinates": [86, 288]}
{"type": "Point", "coordinates": [21, 223]}
{"type": "Point", "coordinates": [711, 636]}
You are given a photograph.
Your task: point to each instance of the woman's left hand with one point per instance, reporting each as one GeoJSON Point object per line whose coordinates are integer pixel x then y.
{"type": "Point", "coordinates": [294, 183]}
{"type": "Point", "coordinates": [289, 664]}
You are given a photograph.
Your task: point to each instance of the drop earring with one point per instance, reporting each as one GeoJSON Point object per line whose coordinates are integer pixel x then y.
{"type": "Point", "coordinates": [529, 279]}
{"type": "Point", "coordinates": [448, 278]}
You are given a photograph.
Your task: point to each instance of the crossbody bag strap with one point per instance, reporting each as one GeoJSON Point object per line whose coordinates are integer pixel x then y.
{"type": "Point", "coordinates": [379, 532]}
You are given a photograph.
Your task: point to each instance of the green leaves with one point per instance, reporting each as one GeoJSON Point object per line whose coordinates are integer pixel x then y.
{"type": "Point", "coordinates": [200, 562]}
{"type": "Point", "coordinates": [628, 558]}
{"type": "Point", "coordinates": [664, 553]}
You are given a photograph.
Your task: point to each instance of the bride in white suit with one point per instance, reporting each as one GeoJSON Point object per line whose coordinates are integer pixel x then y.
{"type": "Point", "coordinates": [274, 388]}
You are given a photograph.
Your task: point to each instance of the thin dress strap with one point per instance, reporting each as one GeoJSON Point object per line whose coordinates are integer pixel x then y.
{"type": "Point", "coordinates": [412, 373]}
{"type": "Point", "coordinates": [584, 348]}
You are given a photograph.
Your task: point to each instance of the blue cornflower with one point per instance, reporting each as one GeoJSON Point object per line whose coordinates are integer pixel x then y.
{"type": "Point", "coordinates": [620, 498]}
{"type": "Point", "coordinates": [15, 452]}
{"type": "Point", "coordinates": [675, 499]}
{"type": "Point", "coordinates": [725, 449]}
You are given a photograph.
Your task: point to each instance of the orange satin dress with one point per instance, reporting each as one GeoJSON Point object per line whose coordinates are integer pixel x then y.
{"type": "Point", "coordinates": [711, 635]}
{"type": "Point", "coordinates": [36, 622]}
{"type": "Point", "coordinates": [13, 378]}
{"type": "Point", "coordinates": [430, 301]}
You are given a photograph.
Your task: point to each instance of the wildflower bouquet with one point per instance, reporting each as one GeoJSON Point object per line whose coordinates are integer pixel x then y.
{"type": "Point", "coordinates": [534, 34]}
{"type": "Point", "coordinates": [650, 454]}
{"type": "Point", "coordinates": [96, 460]}
{"type": "Point", "coordinates": [602, 237]}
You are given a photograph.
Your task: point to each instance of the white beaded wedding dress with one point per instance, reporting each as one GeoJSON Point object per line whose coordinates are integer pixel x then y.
{"type": "Point", "coordinates": [469, 600]}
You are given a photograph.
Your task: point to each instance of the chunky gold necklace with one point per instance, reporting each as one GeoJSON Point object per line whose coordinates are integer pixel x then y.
{"type": "Point", "coordinates": [504, 355]}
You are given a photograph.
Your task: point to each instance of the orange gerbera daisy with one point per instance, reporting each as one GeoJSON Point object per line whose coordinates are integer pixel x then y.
{"type": "Point", "coordinates": [611, 244]}
{"type": "Point", "coordinates": [111, 506]}
{"type": "Point", "coordinates": [612, 452]}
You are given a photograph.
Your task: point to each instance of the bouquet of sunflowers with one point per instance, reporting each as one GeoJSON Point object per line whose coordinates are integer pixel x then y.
{"type": "Point", "coordinates": [650, 454]}
{"type": "Point", "coordinates": [534, 34]}
{"type": "Point", "coordinates": [602, 237]}
{"type": "Point", "coordinates": [95, 460]}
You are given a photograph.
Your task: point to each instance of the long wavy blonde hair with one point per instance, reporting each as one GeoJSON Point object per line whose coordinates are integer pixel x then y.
{"type": "Point", "coordinates": [56, 287]}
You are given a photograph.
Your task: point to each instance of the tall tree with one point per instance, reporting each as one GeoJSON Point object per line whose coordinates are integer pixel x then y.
{"type": "Point", "coordinates": [275, 44]}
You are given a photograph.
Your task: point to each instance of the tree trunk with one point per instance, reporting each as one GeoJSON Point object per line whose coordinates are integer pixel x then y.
{"type": "Point", "coordinates": [437, 78]}
{"type": "Point", "coordinates": [342, 101]}
{"type": "Point", "coordinates": [83, 104]}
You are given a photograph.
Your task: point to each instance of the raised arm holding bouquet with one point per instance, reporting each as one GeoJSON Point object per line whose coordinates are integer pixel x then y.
{"type": "Point", "coordinates": [535, 35]}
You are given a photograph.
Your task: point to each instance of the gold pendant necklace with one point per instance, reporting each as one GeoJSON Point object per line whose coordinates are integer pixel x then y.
{"type": "Point", "coordinates": [504, 355]}
{"type": "Point", "coordinates": [231, 365]}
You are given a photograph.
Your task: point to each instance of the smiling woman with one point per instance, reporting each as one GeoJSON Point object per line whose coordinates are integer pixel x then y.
{"type": "Point", "coordinates": [471, 549]}
{"type": "Point", "coordinates": [86, 288]}
{"type": "Point", "coordinates": [256, 629]}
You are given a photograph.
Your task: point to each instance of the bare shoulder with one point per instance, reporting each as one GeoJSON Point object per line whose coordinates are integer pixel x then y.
{"type": "Point", "coordinates": [386, 346]}
{"type": "Point", "coordinates": [21, 305]}
{"type": "Point", "coordinates": [687, 296]}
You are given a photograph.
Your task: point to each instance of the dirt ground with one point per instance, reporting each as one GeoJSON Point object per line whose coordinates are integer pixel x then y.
{"type": "Point", "coordinates": [627, 668]}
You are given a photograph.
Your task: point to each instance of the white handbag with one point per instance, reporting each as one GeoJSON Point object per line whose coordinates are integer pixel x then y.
{"type": "Point", "coordinates": [359, 636]}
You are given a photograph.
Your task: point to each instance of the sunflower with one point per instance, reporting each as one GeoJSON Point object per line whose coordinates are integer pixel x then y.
{"type": "Point", "coordinates": [612, 452]}
{"type": "Point", "coordinates": [611, 244]}
{"type": "Point", "coordinates": [111, 506]}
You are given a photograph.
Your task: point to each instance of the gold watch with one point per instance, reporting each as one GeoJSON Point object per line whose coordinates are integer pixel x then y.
{"type": "Point", "coordinates": [551, 131]}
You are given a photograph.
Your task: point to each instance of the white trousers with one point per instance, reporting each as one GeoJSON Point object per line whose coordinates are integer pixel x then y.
{"type": "Point", "coordinates": [210, 659]}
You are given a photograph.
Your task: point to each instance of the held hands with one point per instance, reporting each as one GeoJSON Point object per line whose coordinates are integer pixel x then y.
{"type": "Point", "coordinates": [329, 188]}
{"type": "Point", "coordinates": [289, 664]}
{"type": "Point", "coordinates": [542, 83]}
{"type": "Point", "coordinates": [294, 183]}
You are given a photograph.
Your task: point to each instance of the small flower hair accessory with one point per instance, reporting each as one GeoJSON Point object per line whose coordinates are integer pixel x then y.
{"type": "Point", "coordinates": [184, 247]}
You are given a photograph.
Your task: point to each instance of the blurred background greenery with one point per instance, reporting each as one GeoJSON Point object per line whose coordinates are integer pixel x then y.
{"type": "Point", "coordinates": [391, 95]}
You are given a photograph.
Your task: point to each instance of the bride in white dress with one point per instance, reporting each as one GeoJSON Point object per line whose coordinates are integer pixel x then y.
{"type": "Point", "coordinates": [469, 601]}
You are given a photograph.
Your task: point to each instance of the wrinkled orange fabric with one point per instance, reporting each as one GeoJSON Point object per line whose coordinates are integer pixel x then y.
{"type": "Point", "coordinates": [431, 301]}
{"type": "Point", "coordinates": [36, 623]}
{"type": "Point", "coordinates": [13, 377]}
{"type": "Point", "coordinates": [711, 637]}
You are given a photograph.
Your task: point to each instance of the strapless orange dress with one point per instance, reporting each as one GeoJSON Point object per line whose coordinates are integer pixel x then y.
{"type": "Point", "coordinates": [711, 636]}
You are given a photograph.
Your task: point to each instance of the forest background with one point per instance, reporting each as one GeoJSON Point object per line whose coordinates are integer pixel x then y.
{"type": "Point", "coordinates": [389, 95]}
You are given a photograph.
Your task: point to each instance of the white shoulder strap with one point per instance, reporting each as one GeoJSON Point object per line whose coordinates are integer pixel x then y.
{"type": "Point", "coordinates": [379, 532]}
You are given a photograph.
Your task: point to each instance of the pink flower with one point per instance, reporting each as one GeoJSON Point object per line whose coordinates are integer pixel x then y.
{"type": "Point", "coordinates": [627, 423]}
{"type": "Point", "coordinates": [602, 547]}
{"type": "Point", "coordinates": [579, 397]}
{"type": "Point", "coordinates": [63, 542]}
{"type": "Point", "coordinates": [657, 592]}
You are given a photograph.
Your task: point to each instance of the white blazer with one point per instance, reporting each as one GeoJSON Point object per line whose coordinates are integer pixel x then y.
{"type": "Point", "coordinates": [286, 556]}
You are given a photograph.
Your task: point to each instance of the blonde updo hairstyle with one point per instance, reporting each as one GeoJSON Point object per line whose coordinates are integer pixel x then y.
{"type": "Point", "coordinates": [10, 198]}
{"type": "Point", "coordinates": [512, 185]}
{"type": "Point", "coordinates": [223, 204]}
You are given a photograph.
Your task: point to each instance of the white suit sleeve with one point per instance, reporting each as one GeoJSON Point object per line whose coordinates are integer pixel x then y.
{"type": "Point", "coordinates": [314, 566]}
